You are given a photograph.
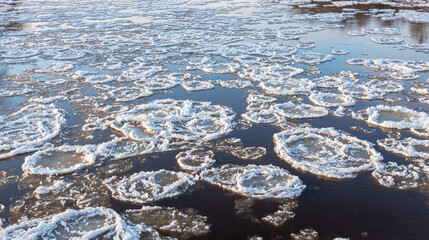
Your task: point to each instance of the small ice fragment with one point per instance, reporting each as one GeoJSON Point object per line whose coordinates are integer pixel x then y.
{"type": "Point", "coordinates": [283, 214]}
{"type": "Point", "coordinates": [340, 52]}
{"type": "Point", "coordinates": [305, 234]}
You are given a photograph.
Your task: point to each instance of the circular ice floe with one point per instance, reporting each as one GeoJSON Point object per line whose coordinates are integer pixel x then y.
{"type": "Point", "coordinates": [157, 83]}
{"type": "Point", "coordinates": [169, 119]}
{"type": "Point", "coordinates": [385, 31]}
{"type": "Point", "coordinates": [195, 159]}
{"type": "Point", "coordinates": [197, 86]}
{"type": "Point", "coordinates": [170, 221]}
{"type": "Point", "coordinates": [126, 94]}
{"type": "Point", "coordinates": [289, 86]}
{"type": "Point", "coordinates": [336, 80]}
{"type": "Point", "coordinates": [234, 84]}
{"type": "Point", "coordinates": [69, 55]}
{"type": "Point", "coordinates": [248, 153]}
{"type": "Point", "coordinates": [399, 69]}
{"type": "Point", "coordinates": [332, 99]}
{"type": "Point", "coordinates": [266, 181]}
{"type": "Point", "coordinates": [374, 89]}
{"type": "Point", "coordinates": [88, 223]}
{"type": "Point", "coordinates": [409, 147]}
{"type": "Point", "coordinates": [25, 130]}
{"type": "Point", "coordinates": [59, 160]}
{"type": "Point", "coordinates": [357, 32]}
{"type": "Point", "coordinates": [144, 187]}
{"type": "Point", "coordinates": [311, 58]}
{"type": "Point", "coordinates": [397, 117]}
{"type": "Point", "coordinates": [21, 54]}
{"type": "Point", "coordinates": [325, 152]}
{"type": "Point", "coordinates": [96, 79]}
{"type": "Point", "coordinates": [382, 40]}
{"type": "Point", "coordinates": [298, 111]}
{"type": "Point", "coordinates": [120, 148]}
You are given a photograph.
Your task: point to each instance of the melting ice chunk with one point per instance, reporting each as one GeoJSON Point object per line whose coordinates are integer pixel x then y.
{"type": "Point", "coordinates": [326, 152]}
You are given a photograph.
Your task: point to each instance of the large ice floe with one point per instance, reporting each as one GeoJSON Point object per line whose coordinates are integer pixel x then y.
{"type": "Point", "coordinates": [326, 152]}
{"type": "Point", "coordinates": [89, 223]}
{"type": "Point", "coordinates": [298, 111]}
{"type": "Point", "coordinates": [263, 181]}
{"type": "Point", "coordinates": [169, 221]}
{"type": "Point", "coordinates": [397, 117]}
{"type": "Point", "coordinates": [332, 99]}
{"type": "Point", "coordinates": [289, 86]}
{"type": "Point", "coordinates": [312, 58]}
{"type": "Point", "coordinates": [60, 160]}
{"type": "Point", "coordinates": [167, 120]}
{"type": "Point", "coordinates": [144, 187]}
{"type": "Point", "coordinates": [398, 69]}
{"type": "Point", "coordinates": [29, 128]}
{"type": "Point", "coordinates": [373, 89]}
{"type": "Point", "coordinates": [191, 86]}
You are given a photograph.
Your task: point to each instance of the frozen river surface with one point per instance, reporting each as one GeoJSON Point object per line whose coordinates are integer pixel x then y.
{"type": "Point", "coordinates": [183, 119]}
